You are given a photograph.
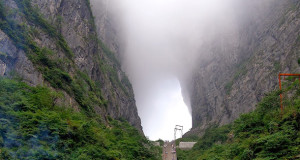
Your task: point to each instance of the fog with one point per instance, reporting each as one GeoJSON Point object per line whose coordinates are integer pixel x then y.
{"type": "Point", "coordinates": [162, 42]}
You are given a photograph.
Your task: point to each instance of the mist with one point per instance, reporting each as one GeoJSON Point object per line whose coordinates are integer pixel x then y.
{"type": "Point", "coordinates": [163, 42]}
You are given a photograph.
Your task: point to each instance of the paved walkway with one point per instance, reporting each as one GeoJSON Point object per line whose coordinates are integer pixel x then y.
{"type": "Point", "coordinates": [168, 151]}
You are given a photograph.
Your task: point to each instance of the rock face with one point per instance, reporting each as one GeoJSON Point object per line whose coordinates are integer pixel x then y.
{"type": "Point", "coordinates": [73, 19]}
{"type": "Point", "coordinates": [107, 21]}
{"type": "Point", "coordinates": [108, 32]}
{"type": "Point", "coordinates": [13, 60]}
{"type": "Point", "coordinates": [245, 64]}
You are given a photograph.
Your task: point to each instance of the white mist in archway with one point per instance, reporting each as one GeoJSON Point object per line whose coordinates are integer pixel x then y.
{"type": "Point", "coordinates": [162, 41]}
{"type": "Point", "coordinates": [163, 109]}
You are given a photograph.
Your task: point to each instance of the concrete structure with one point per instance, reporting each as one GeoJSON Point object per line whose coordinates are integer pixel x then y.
{"type": "Point", "coordinates": [186, 145]}
{"type": "Point", "coordinates": [156, 143]}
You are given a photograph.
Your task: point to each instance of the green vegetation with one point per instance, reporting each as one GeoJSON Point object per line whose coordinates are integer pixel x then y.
{"type": "Point", "coordinates": [110, 70]}
{"type": "Point", "coordinates": [33, 127]}
{"type": "Point", "coordinates": [282, 20]}
{"type": "Point", "coordinates": [228, 87]}
{"type": "Point", "coordinates": [33, 16]}
{"type": "Point", "coordinates": [3, 54]}
{"type": "Point", "coordinates": [108, 63]}
{"type": "Point", "coordinates": [109, 53]}
{"type": "Point", "coordinates": [298, 39]}
{"type": "Point", "coordinates": [54, 70]}
{"type": "Point", "coordinates": [277, 66]}
{"type": "Point", "coordinates": [161, 142]}
{"type": "Point", "coordinates": [92, 18]}
{"type": "Point", "coordinates": [242, 70]}
{"type": "Point", "coordinates": [266, 133]}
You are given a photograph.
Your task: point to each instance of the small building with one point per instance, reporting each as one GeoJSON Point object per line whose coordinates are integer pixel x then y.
{"type": "Point", "coordinates": [156, 143]}
{"type": "Point", "coordinates": [186, 145]}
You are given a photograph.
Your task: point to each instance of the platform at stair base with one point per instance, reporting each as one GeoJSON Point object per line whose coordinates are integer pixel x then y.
{"type": "Point", "coordinates": [186, 145]}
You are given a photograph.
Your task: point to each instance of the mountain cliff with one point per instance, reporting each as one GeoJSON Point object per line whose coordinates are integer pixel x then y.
{"type": "Point", "coordinates": [55, 43]}
{"type": "Point", "coordinates": [63, 93]}
{"type": "Point", "coordinates": [244, 64]}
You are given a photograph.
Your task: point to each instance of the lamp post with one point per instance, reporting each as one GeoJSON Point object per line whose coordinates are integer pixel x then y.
{"type": "Point", "coordinates": [180, 128]}
{"type": "Point", "coordinates": [177, 128]}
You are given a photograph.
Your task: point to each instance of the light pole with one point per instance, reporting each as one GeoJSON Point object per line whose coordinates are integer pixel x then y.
{"type": "Point", "coordinates": [177, 128]}
{"type": "Point", "coordinates": [180, 128]}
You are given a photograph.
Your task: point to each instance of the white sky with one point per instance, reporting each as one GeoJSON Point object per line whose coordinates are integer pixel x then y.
{"type": "Point", "coordinates": [164, 109]}
{"type": "Point", "coordinates": [161, 39]}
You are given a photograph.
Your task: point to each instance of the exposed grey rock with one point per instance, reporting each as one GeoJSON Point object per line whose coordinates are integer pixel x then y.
{"type": "Point", "coordinates": [73, 19]}
{"type": "Point", "coordinates": [77, 29]}
{"type": "Point", "coordinates": [107, 24]}
{"type": "Point", "coordinates": [248, 64]}
{"type": "Point", "coordinates": [2, 68]}
{"type": "Point", "coordinates": [15, 60]}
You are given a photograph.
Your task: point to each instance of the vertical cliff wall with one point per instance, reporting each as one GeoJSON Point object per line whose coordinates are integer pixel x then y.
{"type": "Point", "coordinates": [55, 43]}
{"type": "Point", "coordinates": [244, 65]}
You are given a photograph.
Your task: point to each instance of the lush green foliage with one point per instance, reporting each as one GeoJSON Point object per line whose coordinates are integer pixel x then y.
{"type": "Point", "coordinates": [32, 127]}
{"type": "Point", "coordinates": [266, 133]}
{"type": "Point", "coordinates": [54, 70]}
{"type": "Point", "coordinates": [57, 70]}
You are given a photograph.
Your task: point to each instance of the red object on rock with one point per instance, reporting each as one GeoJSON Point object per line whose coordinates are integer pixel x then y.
{"type": "Point", "coordinates": [279, 77]}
